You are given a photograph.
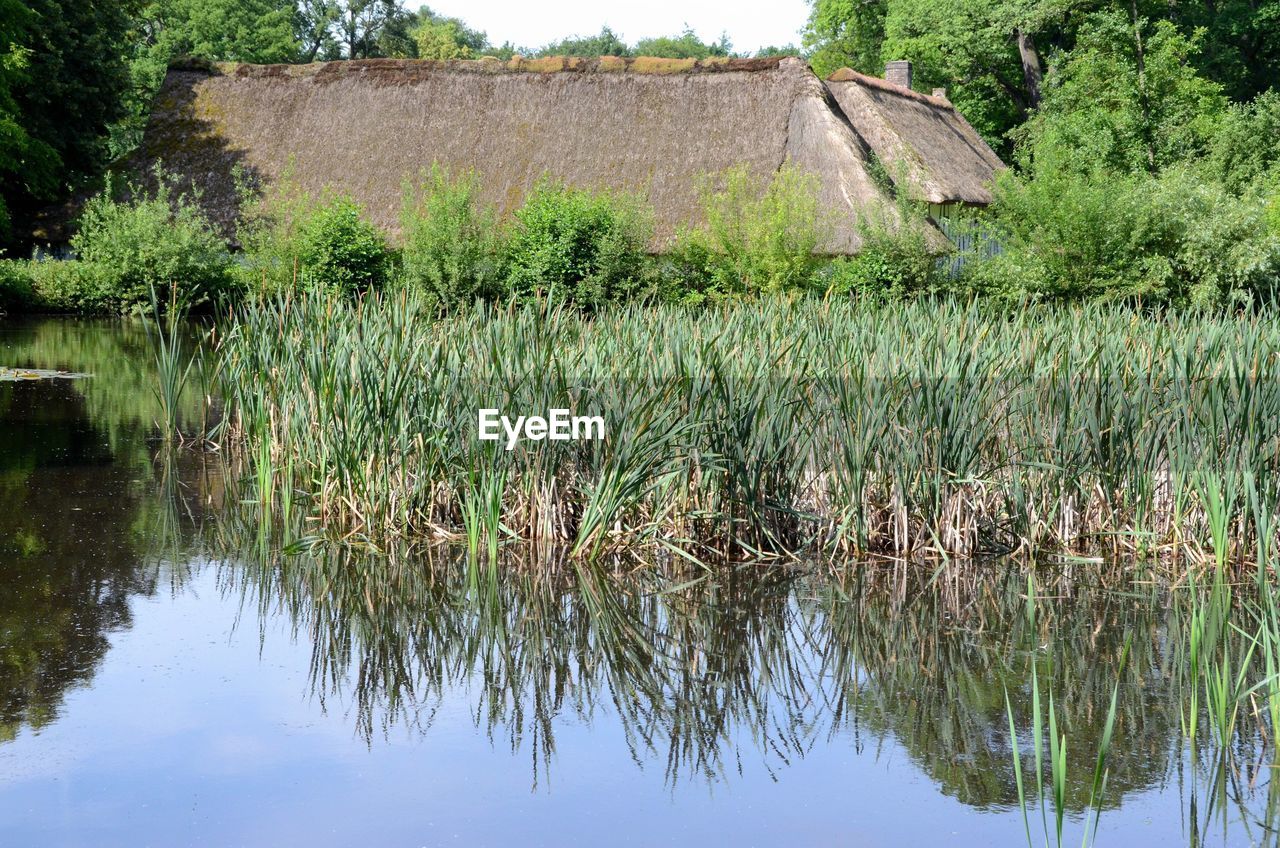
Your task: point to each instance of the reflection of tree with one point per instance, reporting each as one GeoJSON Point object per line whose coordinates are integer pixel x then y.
{"type": "Point", "coordinates": [76, 529]}
{"type": "Point", "coordinates": [752, 658]}
{"type": "Point", "coordinates": [937, 684]}
{"type": "Point", "coordinates": [120, 396]}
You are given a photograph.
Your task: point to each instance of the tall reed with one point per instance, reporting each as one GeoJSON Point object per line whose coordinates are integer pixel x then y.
{"type": "Point", "coordinates": [774, 428]}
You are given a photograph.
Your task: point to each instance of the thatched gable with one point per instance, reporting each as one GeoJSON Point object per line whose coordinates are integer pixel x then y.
{"type": "Point", "coordinates": [655, 126]}
{"type": "Point", "coordinates": [922, 138]}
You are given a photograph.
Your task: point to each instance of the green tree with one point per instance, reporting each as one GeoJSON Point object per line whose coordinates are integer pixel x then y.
{"type": "Point", "coordinates": [987, 53]}
{"type": "Point", "coordinates": [438, 37]}
{"type": "Point", "coordinates": [1241, 42]}
{"type": "Point", "coordinates": [315, 23]}
{"type": "Point", "coordinates": [606, 43]}
{"type": "Point", "coordinates": [686, 45]}
{"type": "Point", "coordinates": [63, 75]}
{"type": "Point", "coordinates": [360, 25]}
{"type": "Point", "coordinates": [27, 165]}
{"type": "Point", "coordinates": [260, 31]}
{"type": "Point", "coordinates": [968, 47]}
{"type": "Point", "coordinates": [1127, 98]}
{"type": "Point", "coordinates": [774, 50]}
{"type": "Point", "coordinates": [846, 33]}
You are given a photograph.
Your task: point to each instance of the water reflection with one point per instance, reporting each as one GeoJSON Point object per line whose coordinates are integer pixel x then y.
{"type": "Point", "coordinates": [709, 680]}
{"type": "Point", "coordinates": [89, 516]}
{"type": "Point", "coordinates": [691, 666]}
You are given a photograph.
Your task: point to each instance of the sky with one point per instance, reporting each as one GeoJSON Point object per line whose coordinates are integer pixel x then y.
{"type": "Point", "coordinates": [751, 24]}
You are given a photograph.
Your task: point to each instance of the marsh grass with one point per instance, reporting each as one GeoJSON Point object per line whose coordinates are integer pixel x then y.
{"type": "Point", "coordinates": [772, 429]}
{"type": "Point", "coordinates": [178, 353]}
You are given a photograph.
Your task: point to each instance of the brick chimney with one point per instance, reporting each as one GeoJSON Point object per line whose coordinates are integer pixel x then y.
{"type": "Point", "coordinates": [898, 73]}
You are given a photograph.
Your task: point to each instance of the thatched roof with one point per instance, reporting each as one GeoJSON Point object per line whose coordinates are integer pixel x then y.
{"type": "Point", "coordinates": [655, 126]}
{"type": "Point", "coordinates": [921, 138]}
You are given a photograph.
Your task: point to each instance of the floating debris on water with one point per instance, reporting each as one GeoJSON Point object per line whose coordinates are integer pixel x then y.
{"type": "Point", "coordinates": [13, 375]}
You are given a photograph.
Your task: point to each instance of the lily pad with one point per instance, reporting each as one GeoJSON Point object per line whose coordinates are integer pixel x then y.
{"type": "Point", "coordinates": [13, 375]}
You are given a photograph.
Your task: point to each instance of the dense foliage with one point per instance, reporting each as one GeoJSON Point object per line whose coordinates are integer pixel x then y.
{"type": "Point", "coordinates": [995, 56]}
{"type": "Point", "coordinates": [339, 251]}
{"type": "Point", "coordinates": [62, 79]}
{"type": "Point", "coordinates": [129, 250]}
{"type": "Point", "coordinates": [1144, 136]}
{"type": "Point", "coordinates": [759, 238]}
{"type": "Point", "coordinates": [578, 246]}
{"type": "Point", "coordinates": [453, 251]}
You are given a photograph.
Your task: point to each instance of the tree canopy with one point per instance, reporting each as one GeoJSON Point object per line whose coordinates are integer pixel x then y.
{"type": "Point", "coordinates": [997, 58]}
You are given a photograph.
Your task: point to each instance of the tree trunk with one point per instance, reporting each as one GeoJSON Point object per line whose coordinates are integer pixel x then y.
{"type": "Point", "coordinates": [1031, 71]}
{"type": "Point", "coordinates": [1144, 98]}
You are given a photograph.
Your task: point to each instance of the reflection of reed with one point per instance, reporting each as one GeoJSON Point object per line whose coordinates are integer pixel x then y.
{"type": "Point", "coordinates": [708, 672]}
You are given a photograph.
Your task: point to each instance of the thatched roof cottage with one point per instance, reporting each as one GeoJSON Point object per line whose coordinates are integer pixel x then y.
{"type": "Point", "coordinates": [921, 139]}
{"type": "Point", "coordinates": [654, 126]}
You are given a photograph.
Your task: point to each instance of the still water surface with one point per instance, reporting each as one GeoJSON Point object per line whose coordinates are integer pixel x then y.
{"type": "Point", "coordinates": [167, 678]}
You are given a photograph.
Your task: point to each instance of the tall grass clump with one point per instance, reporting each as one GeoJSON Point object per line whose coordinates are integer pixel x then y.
{"type": "Point", "coordinates": [174, 357]}
{"type": "Point", "coordinates": [759, 237]}
{"type": "Point", "coordinates": [453, 250]}
{"type": "Point", "coordinates": [576, 246]}
{"type": "Point", "coordinates": [776, 427]}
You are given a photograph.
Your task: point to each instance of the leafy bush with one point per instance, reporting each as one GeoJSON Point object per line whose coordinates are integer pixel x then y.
{"type": "Point", "coordinates": [57, 285]}
{"type": "Point", "coordinates": [291, 239]}
{"type": "Point", "coordinates": [759, 237]}
{"type": "Point", "coordinates": [1222, 249]}
{"type": "Point", "coordinates": [75, 286]}
{"type": "Point", "coordinates": [150, 241]}
{"type": "Point", "coordinates": [1171, 238]}
{"type": "Point", "coordinates": [1246, 147]}
{"type": "Point", "coordinates": [16, 291]}
{"type": "Point", "coordinates": [268, 235]}
{"type": "Point", "coordinates": [1071, 235]}
{"type": "Point", "coordinates": [339, 251]}
{"type": "Point", "coordinates": [588, 249]}
{"type": "Point", "coordinates": [895, 261]}
{"type": "Point", "coordinates": [452, 248]}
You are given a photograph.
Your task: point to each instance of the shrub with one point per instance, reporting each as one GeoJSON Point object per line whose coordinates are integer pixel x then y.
{"type": "Point", "coordinates": [16, 292]}
{"type": "Point", "coordinates": [57, 285]}
{"type": "Point", "coordinates": [452, 250]}
{"type": "Point", "coordinates": [759, 237]}
{"type": "Point", "coordinates": [1173, 238]}
{"type": "Point", "coordinates": [150, 241]}
{"type": "Point", "coordinates": [1075, 236]}
{"type": "Point", "coordinates": [895, 260]}
{"type": "Point", "coordinates": [1246, 146]}
{"type": "Point", "coordinates": [71, 285]}
{"type": "Point", "coordinates": [290, 239]}
{"type": "Point", "coordinates": [1222, 248]}
{"type": "Point", "coordinates": [589, 249]}
{"type": "Point", "coordinates": [339, 251]}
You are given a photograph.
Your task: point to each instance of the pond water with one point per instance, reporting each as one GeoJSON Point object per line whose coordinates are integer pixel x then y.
{"type": "Point", "coordinates": [169, 677]}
